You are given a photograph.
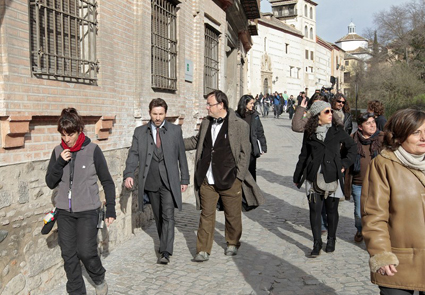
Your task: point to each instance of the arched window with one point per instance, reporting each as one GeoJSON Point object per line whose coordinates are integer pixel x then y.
{"type": "Point", "coordinates": [265, 44]}
{"type": "Point", "coordinates": [311, 12]}
{"type": "Point", "coordinates": [311, 33]}
{"type": "Point", "coordinates": [305, 11]}
{"type": "Point", "coordinates": [306, 31]}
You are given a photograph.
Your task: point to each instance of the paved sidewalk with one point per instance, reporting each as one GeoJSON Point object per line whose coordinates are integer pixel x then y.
{"type": "Point", "coordinates": [276, 240]}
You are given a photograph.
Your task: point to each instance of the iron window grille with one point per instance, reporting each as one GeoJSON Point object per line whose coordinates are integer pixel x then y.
{"type": "Point", "coordinates": [63, 40]}
{"type": "Point", "coordinates": [164, 45]}
{"type": "Point", "coordinates": [211, 57]}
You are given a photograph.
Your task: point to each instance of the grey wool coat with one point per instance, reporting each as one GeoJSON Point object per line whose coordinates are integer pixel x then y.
{"type": "Point", "coordinates": [241, 149]}
{"type": "Point", "coordinates": [141, 152]}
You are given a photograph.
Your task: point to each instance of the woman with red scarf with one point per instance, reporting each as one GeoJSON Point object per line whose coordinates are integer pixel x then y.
{"type": "Point", "coordinates": [74, 168]}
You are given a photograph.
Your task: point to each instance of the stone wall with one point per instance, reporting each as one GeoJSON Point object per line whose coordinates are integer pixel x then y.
{"type": "Point", "coordinates": [31, 262]}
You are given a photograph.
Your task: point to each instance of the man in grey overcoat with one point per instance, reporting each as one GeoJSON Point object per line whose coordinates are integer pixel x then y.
{"type": "Point", "coordinates": [158, 150]}
{"type": "Point", "coordinates": [221, 172]}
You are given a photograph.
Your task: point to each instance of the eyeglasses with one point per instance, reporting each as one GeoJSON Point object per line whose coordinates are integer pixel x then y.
{"type": "Point", "coordinates": [211, 105]}
{"type": "Point", "coordinates": [340, 101]}
{"type": "Point", "coordinates": [326, 112]}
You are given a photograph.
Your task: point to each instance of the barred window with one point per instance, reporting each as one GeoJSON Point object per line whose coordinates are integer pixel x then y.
{"type": "Point", "coordinates": [164, 45]}
{"type": "Point", "coordinates": [211, 65]}
{"type": "Point", "coordinates": [63, 40]}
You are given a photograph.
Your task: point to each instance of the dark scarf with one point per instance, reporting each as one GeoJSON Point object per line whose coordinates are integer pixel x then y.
{"type": "Point", "coordinates": [248, 116]}
{"type": "Point", "coordinates": [373, 143]}
{"type": "Point", "coordinates": [77, 146]}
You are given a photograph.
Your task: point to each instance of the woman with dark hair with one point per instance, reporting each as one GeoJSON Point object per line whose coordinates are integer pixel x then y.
{"type": "Point", "coordinates": [321, 157]}
{"type": "Point", "coordinates": [258, 140]}
{"type": "Point", "coordinates": [369, 143]}
{"type": "Point", "coordinates": [377, 108]}
{"type": "Point", "coordinates": [74, 168]}
{"type": "Point", "coordinates": [392, 206]}
{"type": "Point", "coordinates": [342, 112]}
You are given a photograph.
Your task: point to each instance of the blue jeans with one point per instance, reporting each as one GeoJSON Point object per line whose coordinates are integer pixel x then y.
{"type": "Point", "coordinates": [356, 192]}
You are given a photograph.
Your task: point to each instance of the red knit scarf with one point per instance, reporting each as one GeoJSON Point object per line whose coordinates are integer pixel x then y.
{"type": "Point", "coordinates": [77, 146]}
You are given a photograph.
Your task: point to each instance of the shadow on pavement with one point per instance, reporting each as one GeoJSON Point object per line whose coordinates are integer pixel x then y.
{"type": "Point", "coordinates": [296, 215]}
{"type": "Point", "coordinates": [264, 272]}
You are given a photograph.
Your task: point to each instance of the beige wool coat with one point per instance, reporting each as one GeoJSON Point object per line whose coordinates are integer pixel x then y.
{"type": "Point", "coordinates": [241, 149]}
{"type": "Point", "coordinates": [393, 218]}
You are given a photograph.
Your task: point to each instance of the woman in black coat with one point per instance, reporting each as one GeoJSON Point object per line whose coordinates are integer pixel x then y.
{"type": "Point", "coordinates": [247, 112]}
{"type": "Point", "coordinates": [321, 153]}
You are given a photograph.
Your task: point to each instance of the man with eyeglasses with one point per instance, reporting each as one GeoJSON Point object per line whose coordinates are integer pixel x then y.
{"type": "Point", "coordinates": [342, 112]}
{"type": "Point", "coordinates": [369, 143]}
{"type": "Point", "coordinates": [221, 172]}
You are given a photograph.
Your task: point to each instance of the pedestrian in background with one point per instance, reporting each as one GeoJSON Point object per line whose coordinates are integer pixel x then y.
{"type": "Point", "coordinates": [291, 107]}
{"type": "Point", "coordinates": [342, 112]}
{"type": "Point", "coordinates": [392, 206]}
{"type": "Point", "coordinates": [321, 153]}
{"type": "Point", "coordinates": [266, 105]}
{"type": "Point", "coordinates": [158, 151]}
{"type": "Point", "coordinates": [369, 143]}
{"type": "Point", "coordinates": [74, 168]}
{"type": "Point", "coordinates": [377, 107]}
{"type": "Point", "coordinates": [276, 105]}
{"type": "Point", "coordinates": [258, 140]}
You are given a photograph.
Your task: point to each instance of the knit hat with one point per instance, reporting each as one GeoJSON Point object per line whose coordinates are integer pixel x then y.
{"type": "Point", "coordinates": [318, 106]}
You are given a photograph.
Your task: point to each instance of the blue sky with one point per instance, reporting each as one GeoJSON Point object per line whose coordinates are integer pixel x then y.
{"type": "Point", "coordinates": [334, 16]}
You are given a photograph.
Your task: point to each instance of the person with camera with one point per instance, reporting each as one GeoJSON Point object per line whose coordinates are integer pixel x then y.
{"type": "Point", "coordinates": [321, 159]}
{"type": "Point", "coordinates": [74, 168]}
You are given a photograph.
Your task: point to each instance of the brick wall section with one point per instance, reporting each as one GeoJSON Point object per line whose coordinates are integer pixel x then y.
{"type": "Point", "coordinates": [29, 262]}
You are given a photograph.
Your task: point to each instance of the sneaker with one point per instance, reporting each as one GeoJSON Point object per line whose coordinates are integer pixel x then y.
{"type": "Point", "coordinates": [202, 256]}
{"type": "Point", "coordinates": [231, 250]}
{"type": "Point", "coordinates": [102, 288]}
{"type": "Point", "coordinates": [165, 258]}
{"type": "Point", "coordinates": [358, 237]}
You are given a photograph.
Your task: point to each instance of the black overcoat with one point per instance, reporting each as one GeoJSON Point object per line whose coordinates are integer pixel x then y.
{"type": "Point", "coordinates": [316, 153]}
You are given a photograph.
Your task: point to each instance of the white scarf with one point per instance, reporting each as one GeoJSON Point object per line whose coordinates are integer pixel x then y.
{"type": "Point", "coordinates": [321, 131]}
{"type": "Point", "coordinates": [409, 160]}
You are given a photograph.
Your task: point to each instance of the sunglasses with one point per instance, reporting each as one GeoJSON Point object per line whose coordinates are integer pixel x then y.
{"type": "Point", "coordinates": [340, 101]}
{"type": "Point", "coordinates": [328, 111]}
{"type": "Point", "coordinates": [367, 116]}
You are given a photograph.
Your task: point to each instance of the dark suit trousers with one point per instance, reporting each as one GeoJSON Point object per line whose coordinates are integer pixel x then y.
{"type": "Point", "coordinates": [232, 204]}
{"type": "Point", "coordinates": [163, 210]}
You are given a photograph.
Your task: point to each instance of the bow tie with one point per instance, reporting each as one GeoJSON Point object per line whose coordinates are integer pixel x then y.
{"type": "Point", "coordinates": [217, 120]}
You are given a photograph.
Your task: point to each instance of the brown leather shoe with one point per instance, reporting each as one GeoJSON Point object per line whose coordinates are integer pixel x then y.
{"type": "Point", "coordinates": [358, 237]}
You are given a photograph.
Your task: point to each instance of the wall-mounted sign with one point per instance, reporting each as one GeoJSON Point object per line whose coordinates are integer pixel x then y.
{"type": "Point", "coordinates": [188, 71]}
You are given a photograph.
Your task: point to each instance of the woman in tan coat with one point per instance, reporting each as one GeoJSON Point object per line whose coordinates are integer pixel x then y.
{"type": "Point", "coordinates": [393, 207]}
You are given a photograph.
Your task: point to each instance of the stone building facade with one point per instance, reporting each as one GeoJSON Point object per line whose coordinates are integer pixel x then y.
{"type": "Point", "coordinates": [288, 55]}
{"type": "Point", "coordinates": [107, 59]}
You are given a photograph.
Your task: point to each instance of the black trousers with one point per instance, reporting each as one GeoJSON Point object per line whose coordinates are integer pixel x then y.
{"type": "Point", "coordinates": [316, 202]}
{"type": "Point", "coordinates": [392, 291]}
{"type": "Point", "coordinates": [77, 232]}
{"type": "Point", "coordinates": [162, 203]}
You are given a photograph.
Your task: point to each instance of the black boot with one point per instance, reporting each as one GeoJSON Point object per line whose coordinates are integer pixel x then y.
{"type": "Point", "coordinates": [317, 246]}
{"type": "Point", "coordinates": [330, 245]}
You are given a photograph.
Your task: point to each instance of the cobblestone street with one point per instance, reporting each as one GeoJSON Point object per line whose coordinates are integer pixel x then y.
{"type": "Point", "coordinates": [276, 241]}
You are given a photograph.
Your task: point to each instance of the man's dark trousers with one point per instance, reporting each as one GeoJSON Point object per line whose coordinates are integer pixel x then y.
{"type": "Point", "coordinates": [163, 209]}
{"type": "Point", "coordinates": [162, 202]}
